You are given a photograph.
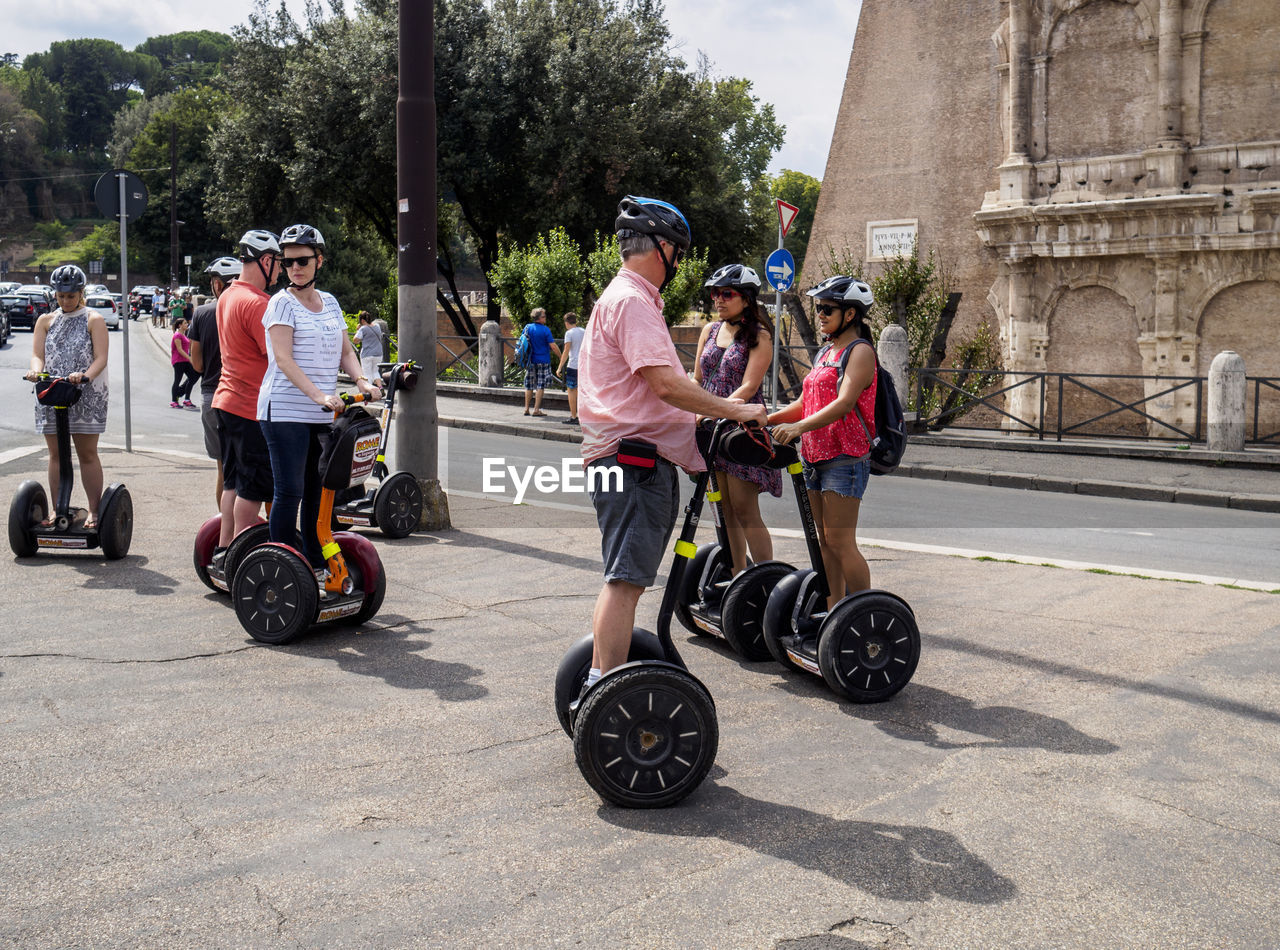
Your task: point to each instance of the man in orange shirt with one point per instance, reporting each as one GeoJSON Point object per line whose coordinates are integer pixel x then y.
{"type": "Point", "coordinates": [246, 464]}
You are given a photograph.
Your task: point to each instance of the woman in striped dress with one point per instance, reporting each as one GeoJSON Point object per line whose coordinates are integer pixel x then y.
{"type": "Point", "coordinates": [306, 344]}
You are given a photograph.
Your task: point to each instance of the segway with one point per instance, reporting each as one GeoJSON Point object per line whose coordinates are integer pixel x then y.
{"type": "Point", "coordinates": [66, 531]}
{"type": "Point", "coordinates": [274, 589]}
{"type": "Point", "coordinates": [866, 647]}
{"type": "Point", "coordinates": [217, 575]}
{"type": "Point", "coordinates": [394, 506]}
{"type": "Point", "coordinates": [646, 734]}
{"type": "Point", "coordinates": [713, 601]}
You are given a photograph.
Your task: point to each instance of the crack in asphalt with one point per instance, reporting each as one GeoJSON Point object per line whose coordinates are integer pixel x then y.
{"type": "Point", "coordinates": [110, 662]}
{"type": "Point", "coordinates": [1210, 821]}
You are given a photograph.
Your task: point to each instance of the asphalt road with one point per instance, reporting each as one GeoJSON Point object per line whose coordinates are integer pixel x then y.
{"type": "Point", "coordinates": [1115, 534]}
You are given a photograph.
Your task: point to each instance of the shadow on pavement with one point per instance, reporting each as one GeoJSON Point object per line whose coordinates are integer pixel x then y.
{"type": "Point", "coordinates": [1079, 673]}
{"type": "Point", "coordinates": [542, 555]}
{"type": "Point", "coordinates": [915, 713]}
{"type": "Point", "coordinates": [393, 655]}
{"type": "Point", "coordinates": [895, 862]}
{"type": "Point", "coordinates": [128, 573]}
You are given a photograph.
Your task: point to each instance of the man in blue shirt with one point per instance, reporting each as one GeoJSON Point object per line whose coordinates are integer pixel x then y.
{"type": "Point", "coordinates": [538, 373]}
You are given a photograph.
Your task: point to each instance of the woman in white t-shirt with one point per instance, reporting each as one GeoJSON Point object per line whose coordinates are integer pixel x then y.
{"type": "Point", "coordinates": [306, 344]}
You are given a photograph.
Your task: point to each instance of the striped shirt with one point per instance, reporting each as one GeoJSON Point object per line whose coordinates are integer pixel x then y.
{"type": "Point", "coordinates": [317, 349]}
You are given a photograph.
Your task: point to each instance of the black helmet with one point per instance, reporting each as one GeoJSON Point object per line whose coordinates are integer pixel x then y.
{"type": "Point", "coordinates": [302, 234]}
{"type": "Point", "coordinates": [849, 291]}
{"type": "Point", "coordinates": [653, 217]}
{"type": "Point", "coordinates": [67, 279]}
{"type": "Point", "coordinates": [258, 244]}
{"type": "Point", "coordinates": [737, 276]}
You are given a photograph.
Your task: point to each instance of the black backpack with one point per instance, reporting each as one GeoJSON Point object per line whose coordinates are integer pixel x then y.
{"type": "Point", "coordinates": [890, 443]}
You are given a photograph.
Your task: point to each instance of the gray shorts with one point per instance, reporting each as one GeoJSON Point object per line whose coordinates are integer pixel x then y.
{"type": "Point", "coordinates": [209, 420]}
{"type": "Point", "coordinates": [635, 523]}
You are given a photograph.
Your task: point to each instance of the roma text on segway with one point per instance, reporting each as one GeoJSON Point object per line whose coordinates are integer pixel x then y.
{"type": "Point", "coordinates": [394, 505]}
{"type": "Point", "coordinates": [712, 600]}
{"type": "Point", "coordinates": [32, 527]}
{"type": "Point", "coordinates": [274, 589]}
{"type": "Point", "coordinates": [866, 647]}
{"type": "Point", "coordinates": [646, 734]}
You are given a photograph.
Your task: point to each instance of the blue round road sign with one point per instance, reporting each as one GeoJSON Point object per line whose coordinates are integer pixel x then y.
{"type": "Point", "coordinates": [780, 269]}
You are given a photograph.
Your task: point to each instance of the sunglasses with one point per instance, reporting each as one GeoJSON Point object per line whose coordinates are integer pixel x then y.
{"type": "Point", "coordinates": [827, 309]}
{"type": "Point", "coordinates": [723, 293]}
{"type": "Point", "coordinates": [297, 261]}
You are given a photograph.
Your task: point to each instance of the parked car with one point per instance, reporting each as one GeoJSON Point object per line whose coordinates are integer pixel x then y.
{"type": "Point", "coordinates": [103, 304]}
{"type": "Point", "coordinates": [96, 289]}
{"type": "Point", "coordinates": [8, 286]}
{"type": "Point", "coordinates": [4, 328]}
{"type": "Point", "coordinates": [25, 307]}
{"type": "Point", "coordinates": [140, 299]}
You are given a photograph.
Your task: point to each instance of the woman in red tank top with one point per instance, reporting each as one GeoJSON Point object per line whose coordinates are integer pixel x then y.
{"type": "Point", "coordinates": [833, 444]}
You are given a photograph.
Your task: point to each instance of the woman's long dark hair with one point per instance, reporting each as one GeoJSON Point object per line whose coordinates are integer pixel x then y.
{"type": "Point", "coordinates": [754, 318]}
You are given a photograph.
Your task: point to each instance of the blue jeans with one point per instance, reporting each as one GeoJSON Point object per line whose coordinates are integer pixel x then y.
{"type": "Point", "coordinates": [295, 466]}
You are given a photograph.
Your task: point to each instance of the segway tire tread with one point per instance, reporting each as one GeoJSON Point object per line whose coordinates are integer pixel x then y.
{"type": "Point", "coordinates": [869, 646]}
{"type": "Point", "coordinates": [742, 613]}
{"type": "Point", "coordinates": [646, 737]}
{"type": "Point", "coordinates": [115, 525]}
{"type": "Point", "coordinates": [29, 507]}
{"type": "Point", "coordinates": [397, 506]}
{"type": "Point", "coordinates": [274, 594]}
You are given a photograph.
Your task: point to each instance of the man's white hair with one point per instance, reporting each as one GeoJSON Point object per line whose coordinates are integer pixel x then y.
{"type": "Point", "coordinates": [636, 244]}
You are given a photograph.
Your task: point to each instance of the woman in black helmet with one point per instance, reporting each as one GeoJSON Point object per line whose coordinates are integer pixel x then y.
{"type": "Point", "coordinates": [833, 443]}
{"type": "Point", "coordinates": [734, 353]}
{"type": "Point", "coordinates": [71, 342]}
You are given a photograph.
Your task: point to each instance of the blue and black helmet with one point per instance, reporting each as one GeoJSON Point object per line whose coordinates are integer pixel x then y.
{"type": "Point", "coordinates": [652, 217]}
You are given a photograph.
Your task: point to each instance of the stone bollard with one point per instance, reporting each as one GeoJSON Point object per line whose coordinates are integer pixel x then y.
{"type": "Point", "coordinates": [491, 354]}
{"type": "Point", "coordinates": [894, 353]}
{"type": "Point", "coordinates": [1227, 402]}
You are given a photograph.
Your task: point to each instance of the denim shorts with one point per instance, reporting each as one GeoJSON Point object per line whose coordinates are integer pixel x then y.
{"type": "Point", "coordinates": [843, 475]}
{"type": "Point", "coordinates": [635, 523]}
{"type": "Point", "coordinates": [570, 379]}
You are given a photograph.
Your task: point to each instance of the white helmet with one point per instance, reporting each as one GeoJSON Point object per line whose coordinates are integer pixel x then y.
{"type": "Point", "coordinates": [256, 244]}
{"type": "Point", "coordinates": [735, 276]}
{"type": "Point", "coordinates": [225, 267]}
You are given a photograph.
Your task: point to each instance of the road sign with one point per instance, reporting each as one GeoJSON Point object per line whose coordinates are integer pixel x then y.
{"type": "Point", "coordinates": [780, 269]}
{"type": "Point", "coordinates": [107, 195]}
{"type": "Point", "coordinates": [786, 214]}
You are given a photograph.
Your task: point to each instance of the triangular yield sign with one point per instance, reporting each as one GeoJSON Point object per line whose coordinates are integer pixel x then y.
{"type": "Point", "coordinates": [786, 214]}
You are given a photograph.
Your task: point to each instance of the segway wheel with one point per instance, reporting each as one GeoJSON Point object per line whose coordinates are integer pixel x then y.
{"type": "Point", "coordinates": [254, 536]}
{"type": "Point", "coordinates": [115, 525]}
{"type": "Point", "coordinates": [275, 594]}
{"type": "Point", "coordinates": [694, 589]}
{"type": "Point", "coordinates": [646, 737]}
{"type": "Point", "coordinates": [397, 506]}
{"type": "Point", "coordinates": [29, 507]}
{"type": "Point", "coordinates": [742, 613]}
{"type": "Point", "coordinates": [576, 664]}
{"type": "Point", "coordinates": [869, 646]}
{"type": "Point", "coordinates": [776, 621]}
{"type": "Point", "coordinates": [373, 596]}
{"type": "Point", "coordinates": [202, 550]}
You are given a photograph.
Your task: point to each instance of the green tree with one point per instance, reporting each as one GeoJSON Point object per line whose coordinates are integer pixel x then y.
{"type": "Point", "coordinates": [96, 77]}
{"type": "Point", "coordinates": [801, 190]}
{"type": "Point", "coordinates": [677, 297]}
{"type": "Point", "coordinates": [548, 273]}
{"type": "Point", "coordinates": [186, 59]}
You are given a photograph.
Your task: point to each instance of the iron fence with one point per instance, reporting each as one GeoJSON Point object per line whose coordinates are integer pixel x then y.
{"type": "Point", "coordinates": [1053, 405]}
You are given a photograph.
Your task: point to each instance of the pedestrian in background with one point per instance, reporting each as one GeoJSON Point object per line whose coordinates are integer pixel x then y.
{"type": "Point", "coordinates": [184, 374]}
{"type": "Point", "coordinates": [71, 343]}
{"type": "Point", "coordinates": [734, 352]}
{"type": "Point", "coordinates": [368, 341]}
{"type": "Point", "coordinates": [542, 344]}
{"type": "Point", "coordinates": [568, 368]}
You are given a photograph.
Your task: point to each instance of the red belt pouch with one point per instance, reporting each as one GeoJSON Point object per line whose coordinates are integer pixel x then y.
{"type": "Point", "coordinates": [637, 453]}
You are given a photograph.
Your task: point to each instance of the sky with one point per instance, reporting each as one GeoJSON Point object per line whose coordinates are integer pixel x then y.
{"type": "Point", "coordinates": [795, 52]}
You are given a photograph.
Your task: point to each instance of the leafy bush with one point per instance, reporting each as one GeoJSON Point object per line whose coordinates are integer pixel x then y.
{"type": "Point", "coordinates": [603, 263]}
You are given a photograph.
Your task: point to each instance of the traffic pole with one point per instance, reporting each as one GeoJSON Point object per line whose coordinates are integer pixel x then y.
{"type": "Point", "coordinates": [777, 331]}
{"type": "Point", "coordinates": [417, 437]}
{"type": "Point", "coordinates": [124, 298]}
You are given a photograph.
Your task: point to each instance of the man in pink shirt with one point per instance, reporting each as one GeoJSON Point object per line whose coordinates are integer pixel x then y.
{"type": "Point", "coordinates": [633, 387]}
